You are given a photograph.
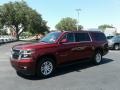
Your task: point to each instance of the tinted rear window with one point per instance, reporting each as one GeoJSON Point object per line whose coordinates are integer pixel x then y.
{"type": "Point", "coordinates": [98, 36]}
{"type": "Point", "coordinates": [82, 37]}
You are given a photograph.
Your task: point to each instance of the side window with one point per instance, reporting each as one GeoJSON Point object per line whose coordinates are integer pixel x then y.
{"type": "Point", "coordinates": [70, 37]}
{"type": "Point", "coordinates": [99, 37]}
{"type": "Point", "coordinates": [119, 38]}
{"type": "Point", "coordinates": [81, 37]}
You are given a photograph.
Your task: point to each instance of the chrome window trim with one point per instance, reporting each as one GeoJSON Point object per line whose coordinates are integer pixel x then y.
{"type": "Point", "coordinates": [90, 37]}
{"type": "Point", "coordinates": [75, 39]}
{"type": "Point", "coordinates": [77, 42]}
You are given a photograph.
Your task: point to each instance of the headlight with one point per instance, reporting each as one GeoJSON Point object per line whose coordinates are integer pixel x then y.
{"type": "Point", "coordinates": [29, 51]}
{"type": "Point", "coordinates": [26, 54]}
{"type": "Point", "coordinates": [110, 42]}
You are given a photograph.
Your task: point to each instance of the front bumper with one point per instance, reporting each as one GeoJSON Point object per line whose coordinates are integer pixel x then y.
{"type": "Point", "coordinates": [110, 45]}
{"type": "Point", "coordinates": [26, 67]}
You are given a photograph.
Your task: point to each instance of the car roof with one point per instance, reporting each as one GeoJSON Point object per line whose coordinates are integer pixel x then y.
{"type": "Point", "coordinates": [79, 31]}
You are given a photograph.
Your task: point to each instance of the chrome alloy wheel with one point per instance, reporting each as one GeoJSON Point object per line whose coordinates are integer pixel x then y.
{"type": "Point", "coordinates": [98, 57]}
{"type": "Point", "coordinates": [46, 68]}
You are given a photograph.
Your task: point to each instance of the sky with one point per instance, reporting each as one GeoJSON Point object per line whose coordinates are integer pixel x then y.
{"type": "Point", "coordinates": [93, 12]}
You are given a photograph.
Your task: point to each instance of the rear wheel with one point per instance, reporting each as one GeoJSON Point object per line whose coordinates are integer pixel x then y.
{"type": "Point", "coordinates": [97, 58]}
{"type": "Point", "coordinates": [45, 67]}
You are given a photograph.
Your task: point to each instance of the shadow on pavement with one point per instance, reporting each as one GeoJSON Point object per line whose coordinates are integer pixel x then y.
{"type": "Point", "coordinates": [77, 67]}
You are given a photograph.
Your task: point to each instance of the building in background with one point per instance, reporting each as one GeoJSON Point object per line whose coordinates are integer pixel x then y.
{"type": "Point", "coordinates": [110, 31]}
{"type": "Point", "coordinates": [94, 29]}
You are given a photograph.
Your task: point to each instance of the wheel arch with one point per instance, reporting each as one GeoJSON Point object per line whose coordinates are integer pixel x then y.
{"type": "Point", "coordinates": [99, 49]}
{"type": "Point", "coordinates": [116, 44]}
{"type": "Point", "coordinates": [48, 56]}
{"type": "Point", "coordinates": [38, 63]}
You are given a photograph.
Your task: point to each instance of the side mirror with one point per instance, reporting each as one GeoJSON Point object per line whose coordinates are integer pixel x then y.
{"type": "Point", "coordinates": [63, 41]}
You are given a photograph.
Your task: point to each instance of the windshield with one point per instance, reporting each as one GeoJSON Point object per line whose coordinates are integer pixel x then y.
{"type": "Point", "coordinates": [110, 37]}
{"type": "Point", "coordinates": [51, 37]}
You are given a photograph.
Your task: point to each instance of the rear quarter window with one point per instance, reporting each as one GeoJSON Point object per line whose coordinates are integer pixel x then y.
{"type": "Point", "coordinates": [98, 37]}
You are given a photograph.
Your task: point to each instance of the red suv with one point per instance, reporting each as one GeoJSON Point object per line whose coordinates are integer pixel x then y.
{"type": "Point", "coordinates": [58, 48]}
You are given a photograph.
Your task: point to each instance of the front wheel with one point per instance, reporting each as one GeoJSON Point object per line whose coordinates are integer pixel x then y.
{"type": "Point", "coordinates": [97, 58]}
{"type": "Point", "coordinates": [116, 46]}
{"type": "Point", "coordinates": [45, 67]}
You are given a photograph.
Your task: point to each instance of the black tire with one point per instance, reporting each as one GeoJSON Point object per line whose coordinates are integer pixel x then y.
{"type": "Point", "coordinates": [116, 46]}
{"type": "Point", "coordinates": [45, 67]}
{"type": "Point", "coordinates": [97, 58]}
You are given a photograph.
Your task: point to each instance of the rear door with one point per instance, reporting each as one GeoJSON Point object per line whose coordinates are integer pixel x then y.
{"type": "Point", "coordinates": [83, 46]}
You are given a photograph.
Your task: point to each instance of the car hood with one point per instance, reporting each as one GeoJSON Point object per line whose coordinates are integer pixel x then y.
{"type": "Point", "coordinates": [32, 45]}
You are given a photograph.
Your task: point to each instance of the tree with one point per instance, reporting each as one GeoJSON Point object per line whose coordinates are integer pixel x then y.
{"type": "Point", "coordinates": [68, 24]}
{"type": "Point", "coordinates": [19, 16]}
{"type": "Point", "coordinates": [3, 32]}
{"type": "Point", "coordinates": [104, 26]}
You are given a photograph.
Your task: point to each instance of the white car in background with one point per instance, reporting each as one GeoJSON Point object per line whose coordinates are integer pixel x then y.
{"type": "Point", "coordinates": [1, 40]}
{"type": "Point", "coordinates": [6, 39]}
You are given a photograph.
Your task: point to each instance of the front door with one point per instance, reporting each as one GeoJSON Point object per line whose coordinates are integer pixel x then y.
{"type": "Point", "coordinates": [65, 53]}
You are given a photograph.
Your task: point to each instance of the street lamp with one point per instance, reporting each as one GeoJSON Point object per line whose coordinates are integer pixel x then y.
{"type": "Point", "coordinates": [78, 12]}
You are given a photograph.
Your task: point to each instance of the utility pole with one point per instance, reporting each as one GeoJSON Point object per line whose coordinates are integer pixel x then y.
{"type": "Point", "coordinates": [78, 12]}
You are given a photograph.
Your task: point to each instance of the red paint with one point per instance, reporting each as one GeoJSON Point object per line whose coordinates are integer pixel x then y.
{"type": "Point", "coordinates": [62, 52]}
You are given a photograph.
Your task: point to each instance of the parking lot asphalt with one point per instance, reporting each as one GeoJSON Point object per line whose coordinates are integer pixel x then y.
{"type": "Point", "coordinates": [83, 76]}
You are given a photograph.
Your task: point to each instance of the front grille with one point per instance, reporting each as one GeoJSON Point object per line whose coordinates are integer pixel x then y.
{"type": "Point", "coordinates": [15, 54]}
